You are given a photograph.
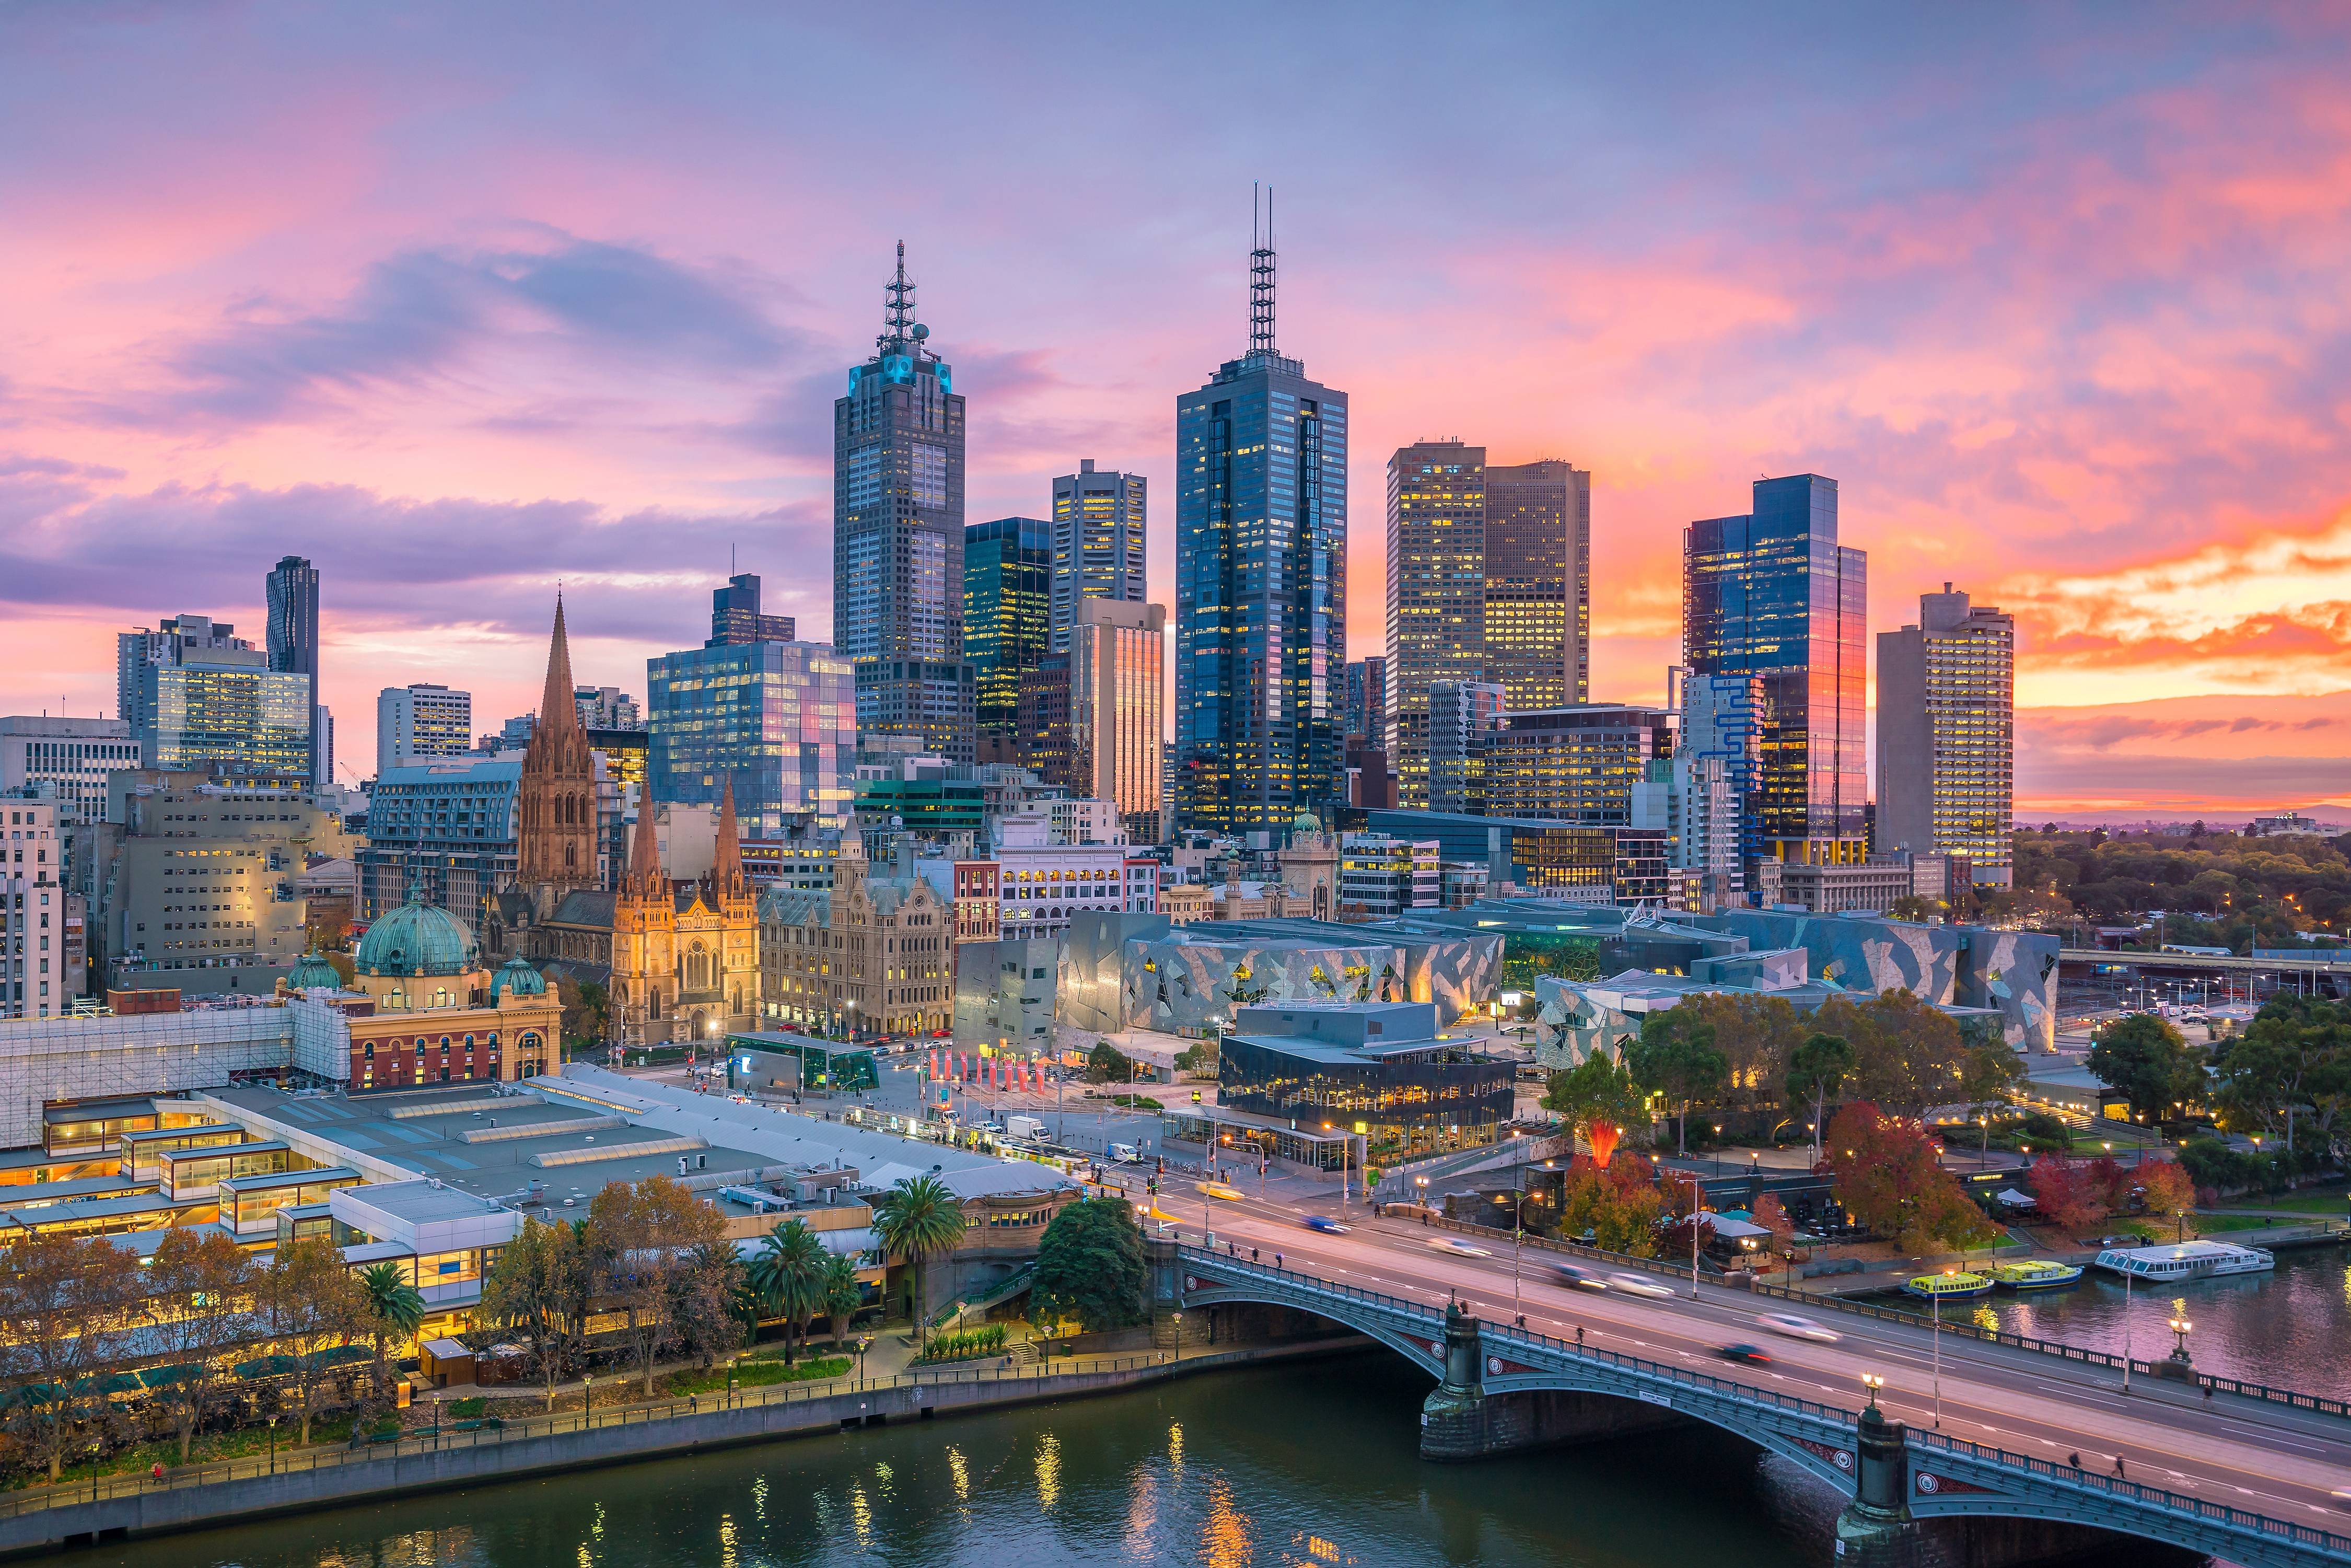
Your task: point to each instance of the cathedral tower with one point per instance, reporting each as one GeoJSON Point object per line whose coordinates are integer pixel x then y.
{"type": "Point", "coordinates": [644, 943]}
{"type": "Point", "coordinates": [556, 798]}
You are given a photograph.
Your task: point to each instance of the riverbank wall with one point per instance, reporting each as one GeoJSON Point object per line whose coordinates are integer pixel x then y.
{"type": "Point", "coordinates": [625, 1435]}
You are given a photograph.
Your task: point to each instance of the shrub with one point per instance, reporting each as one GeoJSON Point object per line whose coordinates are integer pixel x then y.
{"type": "Point", "coordinates": [986, 1339]}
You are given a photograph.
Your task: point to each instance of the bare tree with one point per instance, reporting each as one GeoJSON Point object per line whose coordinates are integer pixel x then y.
{"type": "Point", "coordinates": [201, 1303]}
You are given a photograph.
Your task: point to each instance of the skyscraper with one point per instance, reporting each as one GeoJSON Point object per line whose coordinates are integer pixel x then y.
{"type": "Point", "coordinates": [1368, 699]}
{"type": "Point", "coordinates": [1946, 735]}
{"type": "Point", "coordinates": [293, 590]}
{"type": "Point", "coordinates": [1717, 767]}
{"type": "Point", "coordinates": [196, 695]}
{"type": "Point", "coordinates": [1098, 522]}
{"type": "Point", "coordinates": [1007, 574]}
{"type": "Point", "coordinates": [1260, 585]}
{"type": "Point", "coordinates": [898, 539]}
{"type": "Point", "coordinates": [1116, 653]}
{"type": "Point", "coordinates": [1773, 595]}
{"type": "Point", "coordinates": [778, 719]}
{"type": "Point", "coordinates": [421, 720]}
{"type": "Point", "coordinates": [736, 619]}
{"type": "Point", "coordinates": [1490, 580]}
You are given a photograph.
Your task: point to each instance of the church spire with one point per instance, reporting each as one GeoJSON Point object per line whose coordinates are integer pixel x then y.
{"type": "Point", "coordinates": [558, 709]}
{"type": "Point", "coordinates": [726, 864]}
{"type": "Point", "coordinates": [644, 854]}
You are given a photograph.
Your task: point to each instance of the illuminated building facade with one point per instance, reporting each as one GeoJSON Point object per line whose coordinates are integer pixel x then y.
{"type": "Point", "coordinates": [1772, 594]}
{"type": "Point", "coordinates": [1008, 578]}
{"type": "Point", "coordinates": [1116, 656]}
{"type": "Point", "coordinates": [779, 718]}
{"type": "Point", "coordinates": [1097, 543]}
{"type": "Point", "coordinates": [1946, 735]}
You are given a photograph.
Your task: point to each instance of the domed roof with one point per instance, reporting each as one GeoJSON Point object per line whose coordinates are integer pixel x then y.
{"type": "Point", "coordinates": [313, 970]}
{"type": "Point", "coordinates": [417, 938]}
{"type": "Point", "coordinates": [515, 975]}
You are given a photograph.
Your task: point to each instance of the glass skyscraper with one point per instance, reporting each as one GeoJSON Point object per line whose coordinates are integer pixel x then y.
{"type": "Point", "coordinates": [779, 718]}
{"type": "Point", "coordinates": [1772, 594]}
{"type": "Point", "coordinates": [1098, 522]}
{"type": "Point", "coordinates": [293, 590]}
{"type": "Point", "coordinates": [898, 535]}
{"type": "Point", "coordinates": [1008, 571]}
{"type": "Point", "coordinates": [1260, 586]}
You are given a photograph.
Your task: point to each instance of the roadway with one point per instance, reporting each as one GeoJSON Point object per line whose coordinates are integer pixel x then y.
{"type": "Point", "coordinates": [2269, 1458]}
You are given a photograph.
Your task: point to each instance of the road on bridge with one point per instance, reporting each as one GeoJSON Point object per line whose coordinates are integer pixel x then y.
{"type": "Point", "coordinates": [2227, 1449]}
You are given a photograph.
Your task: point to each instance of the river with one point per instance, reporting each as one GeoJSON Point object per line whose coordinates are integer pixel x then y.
{"type": "Point", "coordinates": [1307, 1466]}
{"type": "Point", "coordinates": [2286, 1329]}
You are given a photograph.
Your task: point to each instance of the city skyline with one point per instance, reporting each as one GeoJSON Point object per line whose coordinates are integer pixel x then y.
{"type": "Point", "coordinates": [2073, 358]}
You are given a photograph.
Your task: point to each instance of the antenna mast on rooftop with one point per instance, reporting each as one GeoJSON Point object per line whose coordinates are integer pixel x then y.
{"type": "Point", "coordinates": [1261, 275]}
{"type": "Point", "coordinates": [899, 292]}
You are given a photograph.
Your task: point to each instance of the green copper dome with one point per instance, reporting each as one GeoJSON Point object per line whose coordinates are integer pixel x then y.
{"type": "Point", "coordinates": [313, 970]}
{"type": "Point", "coordinates": [415, 939]}
{"type": "Point", "coordinates": [517, 975]}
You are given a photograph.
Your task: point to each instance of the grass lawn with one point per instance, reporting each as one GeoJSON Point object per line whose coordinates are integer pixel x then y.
{"type": "Point", "coordinates": [758, 1374]}
{"type": "Point", "coordinates": [2332, 1204]}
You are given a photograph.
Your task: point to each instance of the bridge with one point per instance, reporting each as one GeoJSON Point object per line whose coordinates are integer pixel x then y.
{"type": "Point", "coordinates": [1499, 1387]}
{"type": "Point", "coordinates": [2208, 963]}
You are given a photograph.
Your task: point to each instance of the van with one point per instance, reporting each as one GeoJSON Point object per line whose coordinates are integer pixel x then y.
{"type": "Point", "coordinates": [1024, 1127]}
{"type": "Point", "coordinates": [1126, 1154]}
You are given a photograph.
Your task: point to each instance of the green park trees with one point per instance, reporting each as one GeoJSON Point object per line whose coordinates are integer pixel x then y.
{"type": "Point", "coordinates": [1617, 1206]}
{"type": "Point", "coordinates": [1675, 1058]}
{"type": "Point", "coordinates": [1816, 1072]}
{"type": "Point", "coordinates": [539, 1290]}
{"type": "Point", "coordinates": [2146, 1059]}
{"type": "Point", "coordinates": [919, 1218]}
{"type": "Point", "coordinates": [1599, 1092]}
{"type": "Point", "coordinates": [2289, 1074]}
{"type": "Point", "coordinates": [1091, 1267]}
{"type": "Point", "coordinates": [788, 1273]}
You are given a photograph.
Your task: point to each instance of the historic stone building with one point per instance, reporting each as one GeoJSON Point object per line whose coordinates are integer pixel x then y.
{"type": "Point", "coordinates": [678, 956]}
{"type": "Point", "coordinates": [872, 957]}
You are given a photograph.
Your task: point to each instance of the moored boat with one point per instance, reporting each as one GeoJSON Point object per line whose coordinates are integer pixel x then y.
{"type": "Point", "coordinates": [2036, 1274]}
{"type": "Point", "coordinates": [1952, 1287]}
{"type": "Point", "coordinates": [2185, 1260]}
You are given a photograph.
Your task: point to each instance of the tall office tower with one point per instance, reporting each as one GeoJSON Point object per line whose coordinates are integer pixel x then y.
{"type": "Point", "coordinates": [325, 717]}
{"type": "Point", "coordinates": [1490, 580]}
{"type": "Point", "coordinates": [183, 640]}
{"type": "Point", "coordinates": [1773, 595]}
{"type": "Point", "coordinates": [1539, 583]}
{"type": "Point", "coordinates": [1464, 718]}
{"type": "Point", "coordinates": [1260, 585]}
{"type": "Point", "coordinates": [1946, 735]}
{"type": "Point", "coordinates": [1008, 576]}
{"type": "Point", "coordinates": [780, 719]}
{"type": "Point", "coordinates": [1097, 543]}
{"type": "Point", "coordinates": [1042, 719]}
{"type": "Point", "coordinates": [1367, 700]}
{"type": "Point", "coordinates": [293, 590]}
{"type": "Point", "coordinates": [1718, 770]}
{"type": "Point", "coordinates": [897, 537]}
{"type": "Point", "coordinates": [421, 720]}
{"type": "Point", "coordinates": [1117, 651]}
{"type": "Point", "coordinates": [735, 618]}
{"type": "Point", "coordinates": [1578, 764]}
{"type": "Point", "coordinates": [1437, 591]}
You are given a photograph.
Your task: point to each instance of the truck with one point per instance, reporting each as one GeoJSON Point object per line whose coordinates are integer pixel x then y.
{"type": "Point", "coordinates": [1024, 1127]}
{"type": "Point", "coordinates": [1126, 1154]}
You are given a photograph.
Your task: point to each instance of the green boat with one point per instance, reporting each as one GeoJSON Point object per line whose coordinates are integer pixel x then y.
{"type": "Point", "coordinates": [2036, 1274]}
{"type": "Point", "coordinates": [1949, 1287]}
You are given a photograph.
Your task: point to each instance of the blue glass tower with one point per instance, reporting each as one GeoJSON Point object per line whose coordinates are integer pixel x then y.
{"type": "Point", "coordinates": [1260, 585]}
{"type": "Point", "coordinates": [1772, 594]}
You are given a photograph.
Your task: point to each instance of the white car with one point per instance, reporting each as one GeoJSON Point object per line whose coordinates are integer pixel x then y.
{"type": "Point", "coordinates": [1638, 1285]}
{"type": "Point", "coordinates": [1798, 1327]}
{"type": "Point", "coordinates": [1457, 1248]}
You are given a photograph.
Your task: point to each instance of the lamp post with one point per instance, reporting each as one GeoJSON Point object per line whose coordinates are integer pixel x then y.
{"type": "Point", "coordinates": [1872, 1382]}
{"type": "Point", "coordinates": [2179, 1327]}
{"type": "Point", "coordinates": [2126, 1330]}
{"type": "Point", "coordinates": [1938, 1354]}
{"type": "Point", "coordinates": [1179, 1334]}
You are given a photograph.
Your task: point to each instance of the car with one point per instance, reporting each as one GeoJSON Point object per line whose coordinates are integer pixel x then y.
{"type": "Point", "coordinates": [1745, 1354]}
{"type": "Point", "coordinates": [1220, 1190]}
{"type": "Point", "coordinates": [1457, 1247]}
{"type": "Point", "coordinates": [1326, 1224]}
{"type": "Point", "coordinates": [1581, 1279]}
{"type": "Point", "coordinates": [1796, 1326]}
{"type": "Point", "coordinates": [1638, 1285]}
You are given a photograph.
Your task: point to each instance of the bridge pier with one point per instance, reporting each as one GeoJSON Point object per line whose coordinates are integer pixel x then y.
{"type": "Point", "coordinates": [1459, 1420]}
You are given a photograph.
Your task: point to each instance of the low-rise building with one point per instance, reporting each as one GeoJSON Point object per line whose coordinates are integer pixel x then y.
{"type": "Point", "coordinates": [874, 956]}
{"type": "Point", "coordinates": [32, 967]}
{"type": "Point", "coordinates": [1386, 1072]}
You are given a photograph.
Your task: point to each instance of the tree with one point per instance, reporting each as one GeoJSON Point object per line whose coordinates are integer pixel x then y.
{"type": "Point", "coordinates": [717, 1308]}
{"type": "Point", "coordinates": [2166, 1187]}
{"type": "Point", "coordinates": [1816, 1070]}
{"type": "Point", "coordinates": [1598, 1092]}
{"type": "Point", "coordinates": [394, 1306]}
{"type": "Point", "coordinates": [917, 1219]}
{"type": "Point", "coordinates": [1675, 1056]}
{"type": "Point", "coordinates": [1888, 1176]}
{"type": "Point", "coordinates": [2067, 1193]}
{"type": "Point", "coordinates": [2144, 1059]}
{"type": "Point", "coordinates": [644, 1236]}
{"type": "Point", "coordinates": [1757, 1033]}
{"type": "Point", "coordinates": [1105, 1064]}
{"type": "Point", "coordinates": [66, 1307]}
{"type": "Point", "coordinates": [539, 1289]}
{"type": "Point", "coordinates": [1772, 1216]}
{"type": "Point", "coordinates": [1090, 1266]}
{"type": "Point", "coordinates": [1617, 1205]}
{"type": "Point", "coordinates": [845, 1293]}
{"type": "Point", "coordinates": [1908, 1057]}
{"type": "Point", "coordinates": [788, 1272]}
{"type": "Point", "coordinates": [200, 1288]}
{"type": "Point", "coordinates": [2291, 1064]}
{"type": "Point", "coordinates": [312, 1307]}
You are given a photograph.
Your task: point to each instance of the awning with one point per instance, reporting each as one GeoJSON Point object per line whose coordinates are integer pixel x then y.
{"type": "Point", "coordinates": [2014, 1199]}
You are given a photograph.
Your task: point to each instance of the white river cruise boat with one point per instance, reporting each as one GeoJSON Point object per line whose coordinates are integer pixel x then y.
{"type": "Point", "coordinates": [2185, 1261]}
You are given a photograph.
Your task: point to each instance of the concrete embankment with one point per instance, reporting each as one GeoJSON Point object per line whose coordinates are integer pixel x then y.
{"type": "Point", "coordinates": [618, 1437]}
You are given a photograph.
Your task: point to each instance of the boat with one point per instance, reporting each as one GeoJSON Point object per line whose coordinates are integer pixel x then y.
{"type": "Point", "coordinates": [1949, 1287]}
{"type": "Point", "coordinates": [2035, 1274]}
{"type": "Point", "coordinates": [2185, 1260]}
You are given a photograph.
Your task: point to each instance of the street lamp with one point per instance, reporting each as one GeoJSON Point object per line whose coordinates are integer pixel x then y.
{"type": "Point", "coordinates": [1179, 1334]}
{"type": "Point", "coordinates": [2179, 1327]}
{"type": "Point", "coordinates": [1872, 1382]}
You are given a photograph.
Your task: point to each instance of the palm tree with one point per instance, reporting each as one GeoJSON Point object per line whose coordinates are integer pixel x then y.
{"type": "Point", "coordinates": [788, 1274]}
{"type": "Point", "coordinates": [393, 1306]}
{"type": "Point", "coordinates": [919, 1218]}
{"type": "Point", "coordinates": [844, 1292]}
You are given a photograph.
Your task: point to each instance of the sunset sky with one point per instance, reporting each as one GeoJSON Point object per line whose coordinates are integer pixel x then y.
{"type": "Point", "coordinates": [462, 301]}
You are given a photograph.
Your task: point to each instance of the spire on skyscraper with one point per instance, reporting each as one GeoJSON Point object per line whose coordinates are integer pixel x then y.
{"type": "Point", "coordinates": [1261, 275]}
{"type": "Point", "coordinates": [898, 312]}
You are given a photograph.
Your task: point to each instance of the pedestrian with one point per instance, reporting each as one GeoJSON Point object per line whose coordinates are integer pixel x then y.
{"type": "Point", "coordinates": [1522, 1320]}
{"type": "Point", "coordinates": [2118, 1467]}
{"type": "Point", "coordinates": [2075, 1460]}
{"type": "Point", "coordinates": [157, 1472]}
{"type": "Point", "coordinates": [1579, 1336]}
{"type": "Point", "coordinates": [1276, 1259]}
{"type": "Point", "coordinates": [1252, 1254]}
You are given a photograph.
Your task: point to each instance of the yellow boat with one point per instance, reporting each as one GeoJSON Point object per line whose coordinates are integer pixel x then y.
{"type": "Point", "coordinates": [1953, 1286]}
{"type": "Point", "coordinates": [2036, 1274]}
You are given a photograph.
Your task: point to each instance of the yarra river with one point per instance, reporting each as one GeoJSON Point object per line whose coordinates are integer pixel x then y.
{"type": "Point", "coordinates": [1307, 1466]}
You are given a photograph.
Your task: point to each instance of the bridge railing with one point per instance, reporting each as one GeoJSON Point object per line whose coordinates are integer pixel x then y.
{"type": "Point", "coordinates": [2336, 1546]}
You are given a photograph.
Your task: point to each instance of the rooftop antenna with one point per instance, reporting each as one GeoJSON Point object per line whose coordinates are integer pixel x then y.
{"type": "Point", "coordinates": [899, 294]}
{"type": "Point", "coordinates": [1261, 275]}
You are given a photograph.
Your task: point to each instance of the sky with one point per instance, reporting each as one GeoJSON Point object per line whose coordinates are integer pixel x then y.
{"type": "Point", "coordinates": [464, 302]}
